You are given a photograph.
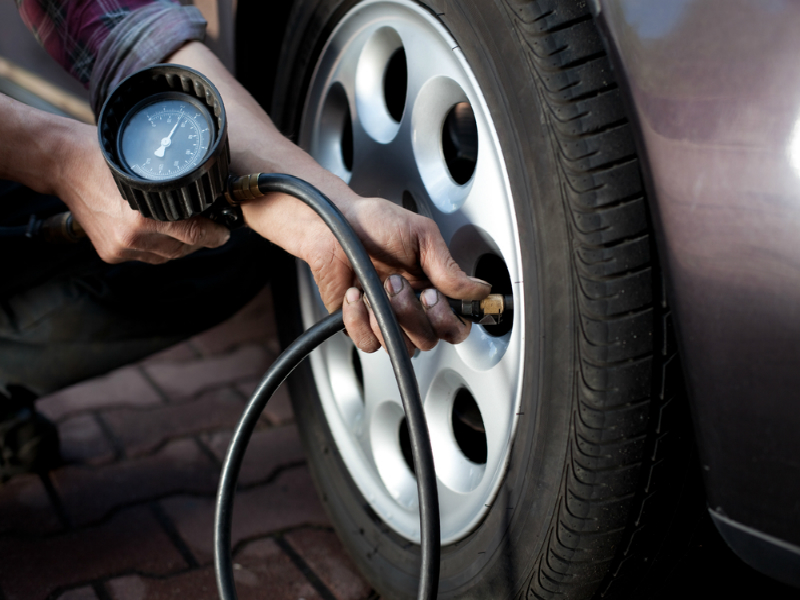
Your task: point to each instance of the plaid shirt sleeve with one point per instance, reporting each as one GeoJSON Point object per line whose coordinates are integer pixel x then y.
{"type": "Point", "coordinates": [100, 42]}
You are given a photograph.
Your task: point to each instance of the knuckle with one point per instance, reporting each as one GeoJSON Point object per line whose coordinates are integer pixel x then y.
{"type": "Point", "coordinates": [454, 334]}
{"type": "Point", "coordinates": [177, 252]}
{"type": "Point", "coordinates": [194, 232]}
{"type": "Point", "coordinates": [426, 344]}
{"type": "Point", "coordinates": [127, 239]}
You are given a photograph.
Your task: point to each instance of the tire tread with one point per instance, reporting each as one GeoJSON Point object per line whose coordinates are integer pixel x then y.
{"type": "Point", "coordinates": [611, 465]}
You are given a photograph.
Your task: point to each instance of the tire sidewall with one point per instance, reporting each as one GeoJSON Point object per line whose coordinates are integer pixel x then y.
{"type": "Point", "coordinates": [499, 557]}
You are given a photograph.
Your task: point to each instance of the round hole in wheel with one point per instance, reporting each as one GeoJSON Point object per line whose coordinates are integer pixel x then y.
{"type": "Point", "coordinates": [468, 428]}
{"type": "Point", "coordinates": [478, 252]}
{"type": "Point", "coordinates": [447, 177]}
{"type": "Point", "coordinates": [347, 141]}
{"type": "Point", "coordinates": [378, 80]}
{"type": "Point", "coordinates": [358, 371]}
{"type": "Point", "coordinates": [460, 142]}
{"type": "Point", "coordinates": [395, 84]}
{"type": "Point", "coordinates": [409, 203]}
{"type": "Point", "coordinates": [543, 196]}
{"type": "Point", "coordinates": [386, 439]}
{"type": "Point", "coordinates": [493, 269]}
{"type": "Point", "coordinates": [405, 445]}
{"type": "Point", "coordinates": [333, 139]}
{"type": "Point", "coordinates": [462, 457]}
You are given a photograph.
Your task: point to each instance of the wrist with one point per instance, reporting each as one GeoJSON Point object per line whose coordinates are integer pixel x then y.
{"type": "Point", "coordinates": [42, 142]}
{"type": "Point", "coordinates": [71, 152]}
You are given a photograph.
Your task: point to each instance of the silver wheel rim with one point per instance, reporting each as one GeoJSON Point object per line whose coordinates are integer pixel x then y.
{"type": "Point", "coordinates": [389, 157]}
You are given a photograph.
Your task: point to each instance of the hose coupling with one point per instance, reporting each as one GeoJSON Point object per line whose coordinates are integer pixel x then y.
{"type": "Point", "coordinates": [489, 311]}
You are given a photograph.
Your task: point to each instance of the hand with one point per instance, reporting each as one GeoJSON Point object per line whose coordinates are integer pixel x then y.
{"type": "Point", "coordinates": [399, 242]}
{"type": "Point", "coordinates": [408, 253]}
{"type": "Point", "coordinates": [118, 232]}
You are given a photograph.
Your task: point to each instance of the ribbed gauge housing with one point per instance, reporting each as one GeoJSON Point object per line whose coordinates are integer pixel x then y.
{"type": "Point", "coordinates": [189, 194]}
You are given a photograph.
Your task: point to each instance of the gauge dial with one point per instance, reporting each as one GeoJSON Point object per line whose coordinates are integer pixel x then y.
{"type": "Point", "coordinates": [165, 136]}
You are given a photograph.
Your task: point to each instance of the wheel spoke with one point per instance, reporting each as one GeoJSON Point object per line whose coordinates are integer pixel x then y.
{"type": "Point", "coordinates": [379, 381]}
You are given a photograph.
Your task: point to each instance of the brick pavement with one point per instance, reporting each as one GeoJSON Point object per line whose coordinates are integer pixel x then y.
{"type": "Point", "coordinates": [129, 514]}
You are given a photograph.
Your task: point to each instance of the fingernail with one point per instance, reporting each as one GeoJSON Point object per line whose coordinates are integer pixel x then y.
{"type": "Point", "coordinates": [481, 281]}
{"type": "Point", "coordinates": [352, 295]}
{"type": "Point", "coordinates": [429, 297]}
{"type": "Point", "coordinates": [366, 301]}
{"type": "Point", "coordinates": [394, 284]}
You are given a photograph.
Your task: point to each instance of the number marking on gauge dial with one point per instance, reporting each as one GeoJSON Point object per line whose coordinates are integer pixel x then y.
{"type": "Point", "coordinates": [176, 128]}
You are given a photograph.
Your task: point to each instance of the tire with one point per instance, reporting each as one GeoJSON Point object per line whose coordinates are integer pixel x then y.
{"type": "Point", "coordinates": [581, 466]}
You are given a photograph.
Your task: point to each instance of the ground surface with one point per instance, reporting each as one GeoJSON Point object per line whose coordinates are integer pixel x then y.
{"type": "Point", "coordinates": [129, 516]}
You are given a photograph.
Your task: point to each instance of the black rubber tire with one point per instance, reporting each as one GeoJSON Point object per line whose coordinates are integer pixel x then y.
{"type": "Point", "coordinates": [596, 471]}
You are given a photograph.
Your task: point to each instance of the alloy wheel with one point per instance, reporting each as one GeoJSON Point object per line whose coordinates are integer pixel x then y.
{"type": "Point", "coordinates": [394, 110]}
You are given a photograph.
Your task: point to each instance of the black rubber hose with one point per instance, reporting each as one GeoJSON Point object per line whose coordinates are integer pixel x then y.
{"type": "Point", "coordinates": [406, 381]}
{"type": "Point", "coordinates": [275, 375]}
{"type": "Point", "coordinates": [19, 231]}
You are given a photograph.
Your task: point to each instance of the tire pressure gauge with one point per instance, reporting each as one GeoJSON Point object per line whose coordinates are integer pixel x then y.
{"type": "Point", "coordinates": [163, 133]}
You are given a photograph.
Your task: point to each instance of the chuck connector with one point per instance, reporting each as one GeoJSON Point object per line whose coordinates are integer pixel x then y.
{"type": "Point", "coordinates": [492, 310]}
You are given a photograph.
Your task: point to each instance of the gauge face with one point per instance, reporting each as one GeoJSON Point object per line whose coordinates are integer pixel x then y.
{"type": "Point", "coordinates": [165, 136]}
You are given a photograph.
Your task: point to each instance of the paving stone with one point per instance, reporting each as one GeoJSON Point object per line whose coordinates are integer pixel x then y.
{"type": "Point", "coordinates": [178, 353]}
{"type": "Point", "coordinates": [25, 507]}
{"type": "Point", "coordinates": [184, 380]}
{"type": "Point", "coordinates": [123, 387]}
{"type": "Point", "coordinates": [83, 593]}
{"type": "Point", "coordinates": [286, 503]}
{"type": "Point", "coordinates": [268, 450]}
{"type": "Point", "coordinates": [83, 441]}
{"type": "Point", "coordinates": [262, 570]}
{"type": "Point", "coordinates": [90, 493]}
{"type": "Point", "coordinates": [255, 323]}
{"type": "Point", "coordinates": [279, 408]}
{"type": "Point", "coordinates": [131, 541]}
{"type": "Point", "coordinates": [197, 584]}
{"type": "Point", "coordinates": [262, 565]}
{"type": "Point", "coordinates": [142, 430]}
{"type": "Point", "coordinates": [323, 552]}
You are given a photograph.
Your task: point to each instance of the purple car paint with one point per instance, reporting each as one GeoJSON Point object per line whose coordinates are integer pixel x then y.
{"type": "Point", "coordinates": [714, 88]}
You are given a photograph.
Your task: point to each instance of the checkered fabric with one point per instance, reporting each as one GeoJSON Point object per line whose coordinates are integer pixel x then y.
{"type": "Point", "coordinates": [100, 42]}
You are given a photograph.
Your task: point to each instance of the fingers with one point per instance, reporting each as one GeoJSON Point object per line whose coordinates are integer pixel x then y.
{"type": "Point", "coordinates": [357, 321]}
{"type": "Point", "coordinates": [197, 232]}
{"type": "Point", "coordinates": [448, 327]}
{"type": "Point", "coordinates": [423, 322]}
{"type": "Point", "coordinates": [157, 242]}
{"type": "Point", "coordinates": [362, 326]}
{"type": "Point", "coordinates": [410, 314]}
{"type": "Point", "coordinates": [443, 271]}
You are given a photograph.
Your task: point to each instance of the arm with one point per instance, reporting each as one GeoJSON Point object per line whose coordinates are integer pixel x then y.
{"type": "Point", "coordinates": [59, 156]}
{"type": "Point", "coordinates": [398, 241]}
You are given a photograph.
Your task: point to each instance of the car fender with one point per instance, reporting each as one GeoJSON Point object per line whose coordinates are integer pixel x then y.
{"type": "Point", "coordinates": [714, 91]}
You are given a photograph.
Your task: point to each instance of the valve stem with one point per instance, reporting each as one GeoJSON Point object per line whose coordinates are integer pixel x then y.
{"type": "Point", "coordinates": [489, 311]}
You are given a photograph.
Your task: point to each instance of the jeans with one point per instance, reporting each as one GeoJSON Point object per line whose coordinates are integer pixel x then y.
{"type": "Point", "coordinates": [66, 316]}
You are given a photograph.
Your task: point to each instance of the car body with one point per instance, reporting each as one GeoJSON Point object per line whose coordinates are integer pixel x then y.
{"type": "Point", "coordinates": [714, 91]}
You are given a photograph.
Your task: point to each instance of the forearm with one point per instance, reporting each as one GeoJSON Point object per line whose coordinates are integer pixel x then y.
{"type": "Point", "coordinates": [33, 142]}
{"type": "Point", "coordinates": [258, 146]}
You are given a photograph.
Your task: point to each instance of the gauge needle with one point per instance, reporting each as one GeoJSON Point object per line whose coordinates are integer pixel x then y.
{"type": "Point", "coordinates": [166, 141]}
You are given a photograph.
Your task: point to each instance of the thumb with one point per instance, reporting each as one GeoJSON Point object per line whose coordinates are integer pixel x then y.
{"type": "Point", "coordinates": [445, 274]}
